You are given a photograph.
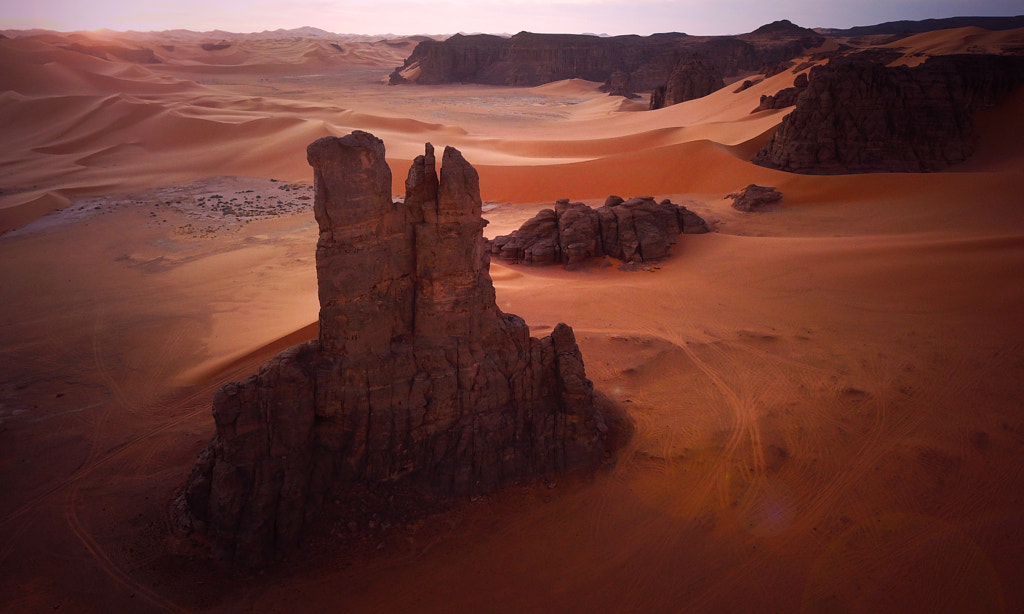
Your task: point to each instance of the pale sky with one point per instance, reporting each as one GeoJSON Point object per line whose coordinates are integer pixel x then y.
{"type": "Point", "coordinates": [497, 16]}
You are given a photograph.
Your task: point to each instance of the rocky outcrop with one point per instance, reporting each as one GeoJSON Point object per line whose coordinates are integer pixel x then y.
{"type": "Point", "coordinates": [754, 198]}
{"type": "Point", "coordinates": [416, 377]}
{"type": "Point", "coordinates": [635, 230]}
{"type": "Point", "coordinates": [638, 63]}
{"type": "Point", "coordinates": [692, 77]}
{"type": "Point", "coordinates": [619, 84]}
{"type": "Point", "coordinates": [857, 115]}
{"type": "Point", "coordinates": [784, 98]}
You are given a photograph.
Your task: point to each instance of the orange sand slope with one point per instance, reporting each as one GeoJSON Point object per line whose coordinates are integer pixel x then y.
{"type": "Point", "coordinates": [827, 397]}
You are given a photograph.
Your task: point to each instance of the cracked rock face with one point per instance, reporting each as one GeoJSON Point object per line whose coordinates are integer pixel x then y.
{"type": "Point", "coordinates": [416, 374]}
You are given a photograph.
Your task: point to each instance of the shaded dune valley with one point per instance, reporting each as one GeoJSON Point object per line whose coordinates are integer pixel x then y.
{"type": "Point", "coordinates": [824, 394]}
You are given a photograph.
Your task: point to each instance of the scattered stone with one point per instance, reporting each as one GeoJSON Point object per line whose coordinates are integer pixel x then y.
{"type": "Point", "coordinates": [417, 377]}
{"type": "Point", "coordinates": [754, 198]}
{"type": "Point", "coordinates": [635, 230]}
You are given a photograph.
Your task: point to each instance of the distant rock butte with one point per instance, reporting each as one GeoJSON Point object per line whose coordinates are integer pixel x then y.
{"type": "Point", "coordinates": [692, 77]}
{"type": "Point", "coordinates": [634, 230]}
{"type": "Point", "coordinates": [416, 377]}
{"type": "Point", "coordinates": [857, 115]}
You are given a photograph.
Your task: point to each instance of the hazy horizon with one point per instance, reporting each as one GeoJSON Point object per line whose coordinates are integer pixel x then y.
{"type": "Point", "coordinates": [403, 17]}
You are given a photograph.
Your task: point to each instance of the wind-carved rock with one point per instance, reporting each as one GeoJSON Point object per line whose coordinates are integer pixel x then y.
{"type": "Point", "coordinates": [416, 374]}
{"type": "Point", "coordinates": [634, 230]}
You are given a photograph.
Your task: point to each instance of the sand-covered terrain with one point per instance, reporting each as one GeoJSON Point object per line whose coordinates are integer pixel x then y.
{"type": "Point", "coordinates": [828, 396]}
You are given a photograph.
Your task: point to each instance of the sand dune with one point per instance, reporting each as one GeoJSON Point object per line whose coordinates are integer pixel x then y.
{"type": "Point", "coordinates": [826, 396]}
{"type": "Point", "coordinates": [959, 40]}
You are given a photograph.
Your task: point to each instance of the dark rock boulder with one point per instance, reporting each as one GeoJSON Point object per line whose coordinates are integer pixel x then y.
{"type": "Point", "coordinates": [635, 230]}
{"type": "Point", "coordinates": [416, 377]}
{"type": "Point", "coordinates": [858, 116]}
{"type": "Point", "coordinates": [754, 198]}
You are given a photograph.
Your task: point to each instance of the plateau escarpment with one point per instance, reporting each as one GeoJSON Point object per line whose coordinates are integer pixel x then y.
{"type": "Point", "coordinates": [858, 115]}
{"type": "Point", "coordinates": [623, 63]}
{"type": "Point", "coordinates": [416, 378]}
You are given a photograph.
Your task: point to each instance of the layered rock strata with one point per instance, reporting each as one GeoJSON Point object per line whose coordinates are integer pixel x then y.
{"type": "Point", "coordinates": [859, 116]}
{"type": "Point", "coordinates": [634, 230]}
{"type": "Point", "coordinates": [416, 377]}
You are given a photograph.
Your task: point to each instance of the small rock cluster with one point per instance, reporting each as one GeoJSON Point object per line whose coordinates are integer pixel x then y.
{"type": "Point", "coordinates": [635, 230]}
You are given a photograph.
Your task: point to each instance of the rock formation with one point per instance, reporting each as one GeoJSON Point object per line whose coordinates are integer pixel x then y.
{"type": "Point", "coordinates": [692, 77]}
{"type": "Point", "coordinates": [624, 63]}
{"type": "Point", "coordinates": [784, 98]}
{"type": "Point", "coordinates": [416, 377]}
{"type": "Point", "coordinates": [754, 198]}
{"type": "Point", "coordinates": [635, 230]}
{"type": "Point", "coordinates": [857, 115]}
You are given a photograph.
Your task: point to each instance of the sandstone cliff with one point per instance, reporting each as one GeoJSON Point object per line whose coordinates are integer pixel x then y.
{"type": "Point", "coordinates": [416, 376]}
{"type": "Point", "coordinates": [634, 230]}
{"type": "Point", "coordinates": [857, 115]}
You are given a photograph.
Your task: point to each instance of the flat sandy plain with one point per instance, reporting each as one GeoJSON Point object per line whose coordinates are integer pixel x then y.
{"type": "Point", "coordinates": [828, 396]}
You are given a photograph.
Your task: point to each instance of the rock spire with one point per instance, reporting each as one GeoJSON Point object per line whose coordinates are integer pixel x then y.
{"type": "Point", "coordinates": [416, 374]}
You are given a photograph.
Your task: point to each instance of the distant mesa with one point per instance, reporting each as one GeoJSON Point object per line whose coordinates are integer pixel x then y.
{"type": "Point", "coordinates": [755, 198]}
{"type": "Point", "coordinates": [858, 115]}
{"type": "Point", "coordinates": [634, 231]}
{"type": "Point", "coordinates": [417, 382]}
{"type": "Point", "coordinates": [624, 64]}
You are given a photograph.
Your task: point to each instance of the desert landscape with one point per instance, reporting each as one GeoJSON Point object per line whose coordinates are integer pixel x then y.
{"type": "Point", "coordinates": [825, 395]}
